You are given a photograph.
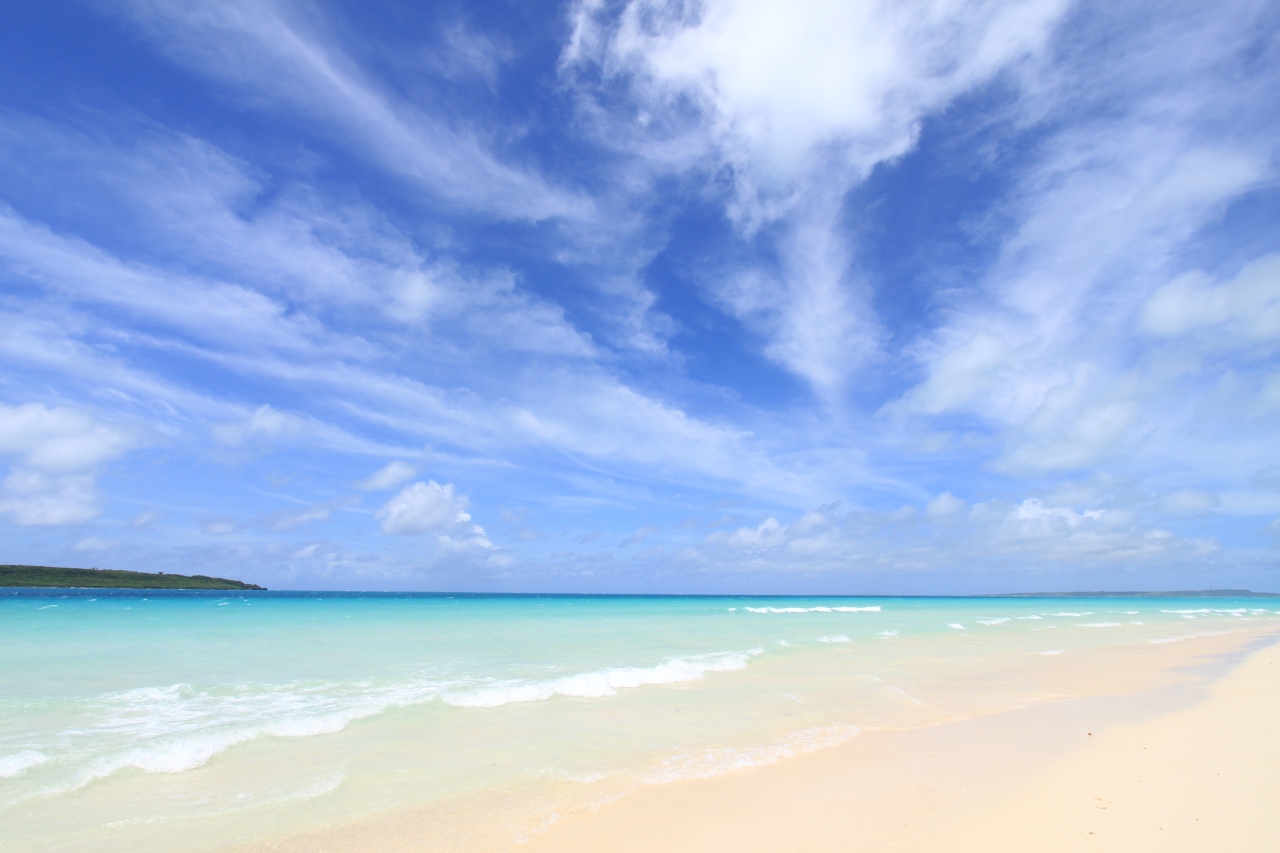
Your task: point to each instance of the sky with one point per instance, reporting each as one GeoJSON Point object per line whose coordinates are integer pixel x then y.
{"type": "Point", "coordinates": [824, 296]}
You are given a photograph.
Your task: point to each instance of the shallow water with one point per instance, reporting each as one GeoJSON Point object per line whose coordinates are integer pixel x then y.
{"type": "Point", "coordinates": [150, 720]}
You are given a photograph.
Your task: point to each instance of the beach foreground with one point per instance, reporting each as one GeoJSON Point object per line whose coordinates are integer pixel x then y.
{"type": "Point", "coordinates": [144, 721]}
{"type": "Point", "coordinates": [1181, 768]}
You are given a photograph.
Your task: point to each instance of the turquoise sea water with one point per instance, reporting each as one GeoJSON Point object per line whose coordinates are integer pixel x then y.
{"type": "Point", "coordinates": [150, 720]}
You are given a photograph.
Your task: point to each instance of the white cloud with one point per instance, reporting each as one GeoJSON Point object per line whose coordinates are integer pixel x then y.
{"type": "Point", "coordinates": [289, 520]}
{"type": "Point", "coordinates": [274, 52]}
{"type": "Point", "coordinates": [798, 103]}
{"type": "Point", "coordinates": [640, 535]}
{"type": "Point", "coordinates": [1238, 312]}
{"type": "Point", "coordinates": [1031, 535]}
{"type": "Point", "coordinates": [768, 534]}
{"type": "Point", "coordinates": [35, 498]}
{"type": "Point", "coordinates": [945, 505]}
{"type": "Point", "coordinates": [94, 543]}
{"type": "Point", "coordinates": [265, 423]}
{"type": "Point", "coordinates": [389, 476]}
{"type": "Point", "coordinates": [58, 453]}
{"type": "Point", "coordinates": [1188, 502]}
{"type": "Point", "coordinates": [59, 440]}
{"type": "Point", "coordinates": [431, 508]}
{"type": "Point", "coordinates": [1043, 352]}
{"type": "Point", "coordinates": [779, 84]}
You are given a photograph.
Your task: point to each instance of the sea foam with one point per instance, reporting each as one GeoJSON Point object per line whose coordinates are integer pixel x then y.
{"type": "Point", "coordinates": [20, 762]}
{"type": "Point", "coordinates": [601, 682]}
{"type": "Point", "coordinates": [177, 728]}
{"type": "Point", "coordinates": [716, 761]}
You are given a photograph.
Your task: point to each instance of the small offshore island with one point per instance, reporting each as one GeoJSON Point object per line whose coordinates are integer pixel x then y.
{"type": "Point", "coordinates": [52, 576]}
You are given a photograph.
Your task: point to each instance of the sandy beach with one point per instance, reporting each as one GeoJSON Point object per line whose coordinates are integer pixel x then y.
{"type": "Point", "coordinates": [698, 724]}
{"type": "Point", "coordinates": [1193, 765]}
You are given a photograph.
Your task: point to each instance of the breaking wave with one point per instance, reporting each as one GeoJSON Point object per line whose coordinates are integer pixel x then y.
{"type": "Point", "coordinates": [602, 682]}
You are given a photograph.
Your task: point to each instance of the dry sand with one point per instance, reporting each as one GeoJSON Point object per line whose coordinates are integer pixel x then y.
{"type": "Point", "coordinates": [1183, 768]}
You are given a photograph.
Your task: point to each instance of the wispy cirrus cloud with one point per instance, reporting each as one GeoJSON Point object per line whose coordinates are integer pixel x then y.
{"type": "Point", "coordinates": [281, 54]}
{"type": "Point", "coordinates": [902, 291]}
{"type": "Point", "coordinates": [796, 106]}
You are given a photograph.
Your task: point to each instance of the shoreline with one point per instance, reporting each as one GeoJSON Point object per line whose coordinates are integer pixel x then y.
{"type": "Point", "coordinates": [1181, 767]}
{"type": "Point", "coordinates": [884, 788]}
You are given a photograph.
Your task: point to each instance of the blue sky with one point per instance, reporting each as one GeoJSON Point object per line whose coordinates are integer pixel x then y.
{"type": "Point", "coordinates": [645, 296]}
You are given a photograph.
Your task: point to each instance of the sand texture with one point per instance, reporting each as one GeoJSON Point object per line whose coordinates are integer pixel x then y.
{"type": "Point", "coordinates": [1184, 768]}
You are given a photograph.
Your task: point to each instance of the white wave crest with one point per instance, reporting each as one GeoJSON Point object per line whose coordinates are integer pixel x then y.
{"type": "Point", "coordinates": [872, 609]}
{"type": "Point", "coordinates": [178, 728]}
{"type": "Point", "coordinates": [1100, 624]}
{"type": "Point", "coordinates": [993, 620]}
{"type": "Point", "coordinates": [20, 762]}
{"type": "Point", "coordinates": [602, 682]}
{"type": "Point", "coordinates": [838, 638]}
{"type": "Point", "coordinates": [1211, 610]}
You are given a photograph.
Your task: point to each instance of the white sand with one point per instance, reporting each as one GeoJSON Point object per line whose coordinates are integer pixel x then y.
{"type": "Point", "coordinates": [1173, 770]}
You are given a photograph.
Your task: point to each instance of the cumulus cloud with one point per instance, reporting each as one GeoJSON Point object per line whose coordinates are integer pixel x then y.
{"type": "Point", "coordinates": [58, 450]}
{"type": "Point", "coordinates": [1031, 532]}
{"type": "Point", "coordinates": [768, 534]}
{"type": "Point", "coordinates": [431, 508]}
{"type": "Point", "coordinates": [945, 505]}
{"type": "Point", "coordinates": [780, 84]}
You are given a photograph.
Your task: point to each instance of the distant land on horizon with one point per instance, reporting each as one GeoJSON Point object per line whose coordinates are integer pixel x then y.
{"type": "Point", "coordinates": [55, 577]}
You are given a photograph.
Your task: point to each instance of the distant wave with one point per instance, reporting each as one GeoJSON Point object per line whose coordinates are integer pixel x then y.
{"type": "Point", "coordinates": [872, 609]}
{"type": "Point", "coordinates": [1218, 610]}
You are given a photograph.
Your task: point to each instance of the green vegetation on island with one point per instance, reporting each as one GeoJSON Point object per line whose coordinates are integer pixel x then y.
{"type": "Point", "coordinates": [49, 576]}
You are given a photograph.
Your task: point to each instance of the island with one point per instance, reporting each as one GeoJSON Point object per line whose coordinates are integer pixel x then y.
{"type": "Point", "coordinates": [52, 576]}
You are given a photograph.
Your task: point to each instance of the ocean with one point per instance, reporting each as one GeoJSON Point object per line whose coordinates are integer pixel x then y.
{"type": "Point", "coordinates": [147, 720]}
